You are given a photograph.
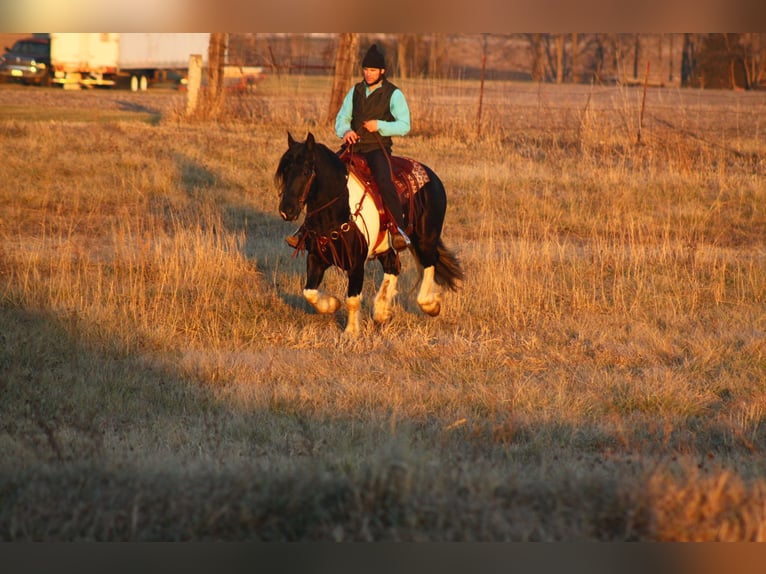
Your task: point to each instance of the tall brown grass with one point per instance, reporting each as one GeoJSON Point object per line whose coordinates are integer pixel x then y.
{"type": "Point", "coordinates": [599, 377]}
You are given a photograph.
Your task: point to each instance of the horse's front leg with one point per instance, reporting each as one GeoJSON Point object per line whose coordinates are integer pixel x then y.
{"type": "Point", "coordinates": [429, 296]}
{"type": "Point", "coordinates": [384, 298]}
{"type": "Point", "coordinates": [322, 302]}
{"type": "Point", "coordinates": [354, 299]}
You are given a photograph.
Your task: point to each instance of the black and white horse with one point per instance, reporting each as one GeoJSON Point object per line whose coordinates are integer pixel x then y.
{"type": "Point", "coordinates": [344, 226]}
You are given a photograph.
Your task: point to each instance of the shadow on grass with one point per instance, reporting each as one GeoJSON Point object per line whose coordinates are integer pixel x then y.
{"type": "Point", "coordinates": [264, 231]}
{"type": "Point", "coordinates": [104, 443]}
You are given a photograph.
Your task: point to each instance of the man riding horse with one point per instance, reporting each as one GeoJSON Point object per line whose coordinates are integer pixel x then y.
{"type": "Point", "coordinates": [373, 111]}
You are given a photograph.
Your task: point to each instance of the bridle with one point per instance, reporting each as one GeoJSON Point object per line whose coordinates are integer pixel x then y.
{"type": "Point", "coordinates": [305, 194]}
{"type": "Point", "coordinates": [307, 186]}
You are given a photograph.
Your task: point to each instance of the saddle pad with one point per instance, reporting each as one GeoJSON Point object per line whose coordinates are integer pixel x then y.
{"type": "Point", "coordinates": [409, 175]}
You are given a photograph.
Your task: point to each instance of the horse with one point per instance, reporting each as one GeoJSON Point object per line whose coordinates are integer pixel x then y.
{"type": "Point", "coordinates": [345, 226]}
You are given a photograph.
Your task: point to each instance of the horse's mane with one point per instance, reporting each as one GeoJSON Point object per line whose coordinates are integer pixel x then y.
{"type": "Point", "coordinates": [330, 160]}
{"type": "Point", "coordinates": [284, 165]}
{"type": "Point", "coordinates": [324, 156]}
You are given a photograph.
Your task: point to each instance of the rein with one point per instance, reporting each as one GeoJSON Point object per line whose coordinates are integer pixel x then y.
{"type": "Point", "coordinates": [321, 207]}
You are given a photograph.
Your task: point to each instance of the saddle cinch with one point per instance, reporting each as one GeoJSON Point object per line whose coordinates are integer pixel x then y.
{"type": "Point", "coordinates": [408, 177]}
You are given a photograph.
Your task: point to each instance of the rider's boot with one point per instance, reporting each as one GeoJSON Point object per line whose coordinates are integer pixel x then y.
{"type": "Point", "coordinates": [295, 239]}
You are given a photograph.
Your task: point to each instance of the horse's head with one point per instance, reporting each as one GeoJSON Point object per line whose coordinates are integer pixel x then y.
{"type": "Point", "coordinates": [295, 175]}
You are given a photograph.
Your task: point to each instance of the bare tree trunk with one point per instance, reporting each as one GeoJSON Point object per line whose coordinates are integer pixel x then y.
{"type": "Point", "coordinates": [688, 61]}
{"type": "Point", "coordinates": [670, 59]}
{"type": "Point", "coordinates": [434, 55]}
{"type": "Point", "coordinates": [575, 57]}
{"type": "Point", "coordinates": [599, 58]}
{"type": "Point", "coordinates": [755, 54]}
{"type": "Point", "coordinates": [559, 58]}
{"type": "Point", "coordinates": [345, 62]}
{"type": "Point", "coordinates": [216, 61]}
{"type": "Point", "coordinates": [538, 64]}
{"type": "Point", "coordinates": [761, 76]}
{"type": "Point", "coordinates": [616, 59]}
{"type": "Point", "coordinates": [401, 55]}
{"type": "Point", "coordinates": [417, 56]}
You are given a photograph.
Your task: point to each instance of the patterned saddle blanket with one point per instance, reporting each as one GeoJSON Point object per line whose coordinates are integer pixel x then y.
{"type": "Point", "coordinates": [409, 177]}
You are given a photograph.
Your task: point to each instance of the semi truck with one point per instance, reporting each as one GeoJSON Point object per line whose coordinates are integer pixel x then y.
{"type": "Point", "coordinates": [138, 59]}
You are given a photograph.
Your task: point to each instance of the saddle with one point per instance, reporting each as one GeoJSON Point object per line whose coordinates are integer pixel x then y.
{"type": "Point", "coordinates": [407, 174]}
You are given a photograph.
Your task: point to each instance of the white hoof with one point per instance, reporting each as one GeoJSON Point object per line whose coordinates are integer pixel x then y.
{"type": "Point", "coordinates": [324, 304]}
{"type": "Point", "coordinates": [384, 299]}
{"type": "Point", "coordinates": [382, 312]}
{"type": "Point", "coordinates": [431, 305]}
{"type": "Point", "coordinates": [354, 326]}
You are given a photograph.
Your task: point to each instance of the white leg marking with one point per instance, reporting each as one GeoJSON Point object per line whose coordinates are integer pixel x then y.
{"type": "Point", "coordinates": [354, 304]}
{"type": "Point", "coordinates": [385, 298]}
{"type": "Point", "coordinates": [429, 297]}
{"type": "Point", "coordinates": [321, 302]}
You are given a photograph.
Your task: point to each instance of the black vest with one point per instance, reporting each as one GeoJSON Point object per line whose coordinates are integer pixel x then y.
{"type": "Point", "coordinates": [375, 107]}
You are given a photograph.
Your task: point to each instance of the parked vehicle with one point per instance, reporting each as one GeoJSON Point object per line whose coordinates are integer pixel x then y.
{"type": "Point", "coordinates": [28, 61]}
{"type": "Point", "coordinates": [136, 59]}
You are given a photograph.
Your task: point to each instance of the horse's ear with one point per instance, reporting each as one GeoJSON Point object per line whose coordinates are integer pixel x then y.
{"type": "Point", "coordinates": [290, 141]}
{"type": "Point", "coordinates": [310, 142]}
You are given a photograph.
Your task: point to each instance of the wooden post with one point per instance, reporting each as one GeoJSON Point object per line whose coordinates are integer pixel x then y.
{"type": "Point", "coordinates": [643, 104]}
{"type": "Point", "coordinates": [193, 83]}
{"type": "Point", "coordinates": [481, 89]}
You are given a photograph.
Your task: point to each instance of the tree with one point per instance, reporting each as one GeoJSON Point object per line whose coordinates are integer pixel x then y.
{"type": "Point", "coordinates": [575, 57]}
{"type": "Point", "coordinates": [538, 63]}
{"type": "Point", "coordinates": [688, 61]}
{"type": "Point", "coordinates": [754, 48]}
{"type": "Point", "coordinates": [559, 58]}
{"type": "Point", "coordinates": [345, 62]}
{"type": "Point", "coordinates": [404, 40]}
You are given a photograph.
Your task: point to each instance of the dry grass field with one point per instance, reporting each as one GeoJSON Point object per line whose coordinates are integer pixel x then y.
{"type": "Point", "coordinates": [601, 375]}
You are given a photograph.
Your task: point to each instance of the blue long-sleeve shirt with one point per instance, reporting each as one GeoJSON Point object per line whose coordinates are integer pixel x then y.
{"type": "Point", "coordinates": [399, 109]}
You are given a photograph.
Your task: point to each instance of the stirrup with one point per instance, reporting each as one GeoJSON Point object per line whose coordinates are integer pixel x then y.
{"type": "Point", "coordinates": [399, 240]}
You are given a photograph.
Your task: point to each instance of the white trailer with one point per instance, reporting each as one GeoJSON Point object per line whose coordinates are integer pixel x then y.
{"type": "Point", "coordinates": [148, 58]}
{"type": "Point", "coordinates": [101, 59]}
{"type": "Point", "coordinates": [84, 59]}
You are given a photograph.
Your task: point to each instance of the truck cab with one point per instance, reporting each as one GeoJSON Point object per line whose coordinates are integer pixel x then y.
{"type": "Point", "coordinates": [28, 61]}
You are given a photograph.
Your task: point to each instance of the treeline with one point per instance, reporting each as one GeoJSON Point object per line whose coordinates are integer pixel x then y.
{"type": "Point", "coordinates": [736, 60]}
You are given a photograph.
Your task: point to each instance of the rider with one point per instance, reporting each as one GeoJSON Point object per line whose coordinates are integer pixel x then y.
{"type": "Point", "coordinates": [373, 111]}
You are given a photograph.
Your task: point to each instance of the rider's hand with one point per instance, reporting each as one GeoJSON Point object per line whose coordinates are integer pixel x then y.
{"type": "Point", "coordinates": [371, 126]}
{"type": "Point", "coordinates": [350, 137]}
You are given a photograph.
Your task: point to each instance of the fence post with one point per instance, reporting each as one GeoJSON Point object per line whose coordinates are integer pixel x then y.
{"type": "Point", "coordinates": [194, 83]}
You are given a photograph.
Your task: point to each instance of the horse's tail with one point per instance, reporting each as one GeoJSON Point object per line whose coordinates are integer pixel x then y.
{"type": "Point", "coordinates": [447, 270]}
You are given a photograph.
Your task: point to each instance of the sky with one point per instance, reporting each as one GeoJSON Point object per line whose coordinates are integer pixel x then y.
{"type": "Point", "coordinates": [469, 16]}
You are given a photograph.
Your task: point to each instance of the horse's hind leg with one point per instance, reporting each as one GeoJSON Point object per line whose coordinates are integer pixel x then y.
{"type": "Point", "coordinates": [429, 223]}
{"type": "Point", "coordinates": [384, 298]}
{"type": "Point", "coordinates": [429, 296]}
